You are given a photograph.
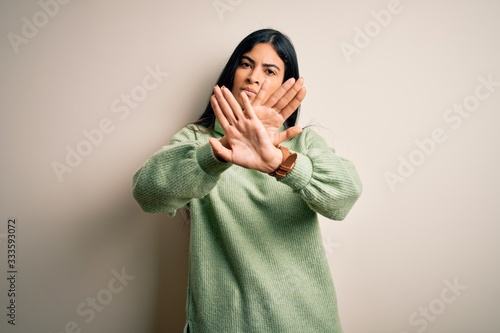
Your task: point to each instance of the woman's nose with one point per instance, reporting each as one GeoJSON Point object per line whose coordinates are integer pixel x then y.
{"type": "Point", "coordinates": [253, 77]}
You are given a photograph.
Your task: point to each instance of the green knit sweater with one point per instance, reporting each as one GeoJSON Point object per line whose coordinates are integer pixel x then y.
{"type": "Point", "coordinates": [256, 262]}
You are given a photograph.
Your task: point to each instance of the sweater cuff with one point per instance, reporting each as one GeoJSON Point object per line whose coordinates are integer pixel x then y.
{"type": "Point", "coordinates": [301, 173]}
{"type": "Point", "coordinates": [208, 162]}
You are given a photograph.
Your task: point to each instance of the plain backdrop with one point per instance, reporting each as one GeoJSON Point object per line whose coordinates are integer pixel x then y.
{"type": "Point", "coordinates": [407, 90]}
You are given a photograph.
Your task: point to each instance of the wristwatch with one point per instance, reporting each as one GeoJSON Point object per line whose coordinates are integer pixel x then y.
{"type": "Point", "coordinates": [287, 165]}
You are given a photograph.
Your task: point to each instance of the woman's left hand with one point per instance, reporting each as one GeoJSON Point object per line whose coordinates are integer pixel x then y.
{"type": "Point", "coordinates": [278, 107]}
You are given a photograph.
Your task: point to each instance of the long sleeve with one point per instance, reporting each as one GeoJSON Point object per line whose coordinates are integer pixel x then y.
{"type": "Point", "coordinates": [328, 183]}
{"type": "Point", "coordinates": [257, 261]}
{"type": "Point", "coordinates": [184, 169]}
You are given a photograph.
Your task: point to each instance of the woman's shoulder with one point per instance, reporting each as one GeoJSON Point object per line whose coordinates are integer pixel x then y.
{"type": "Point", "coordinates": [192, 132]}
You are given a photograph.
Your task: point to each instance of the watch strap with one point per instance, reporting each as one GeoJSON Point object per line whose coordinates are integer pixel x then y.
{"type": "Point", "coordinates": [286, 165]}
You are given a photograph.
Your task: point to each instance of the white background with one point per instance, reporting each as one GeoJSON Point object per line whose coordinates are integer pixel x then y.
{"type": "Point", "coordinates": [394, 256]}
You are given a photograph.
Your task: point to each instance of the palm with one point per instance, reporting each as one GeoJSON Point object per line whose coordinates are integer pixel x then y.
{"type": "Point", "coordinates": [271, 119]}
{"type": "Point", "coordinates": [252, 136]}
{"type": "Point", "coordinates": [278, 107]}
{"type": "Point", "coordinates": [246, 141]}
{"type": "Point", "coordinates": [251, 146]}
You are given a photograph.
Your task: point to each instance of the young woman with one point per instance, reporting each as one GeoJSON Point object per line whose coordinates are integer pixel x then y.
{"type": "Point", "coordinates": [253, 183]}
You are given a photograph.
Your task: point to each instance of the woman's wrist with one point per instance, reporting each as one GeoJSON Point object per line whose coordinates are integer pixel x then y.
{"type": "Point", "coordinates": [276, 161]}
{"type": "Point", "coordinates": [287, 163]}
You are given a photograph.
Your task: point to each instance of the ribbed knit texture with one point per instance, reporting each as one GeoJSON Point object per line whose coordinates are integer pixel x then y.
{"type": "Point", "coordinates": [256, 262]}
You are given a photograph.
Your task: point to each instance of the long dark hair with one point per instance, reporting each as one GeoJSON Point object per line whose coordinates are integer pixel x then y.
{"type": "Point", "coordinates": [283, 46]}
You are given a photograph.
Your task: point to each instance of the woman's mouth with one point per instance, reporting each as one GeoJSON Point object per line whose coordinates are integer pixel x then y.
{"type": "Point", "coordinates": [249, 92]}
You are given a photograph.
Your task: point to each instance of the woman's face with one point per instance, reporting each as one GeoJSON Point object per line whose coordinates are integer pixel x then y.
{"type": "Point", "coordinates": [261, 63]}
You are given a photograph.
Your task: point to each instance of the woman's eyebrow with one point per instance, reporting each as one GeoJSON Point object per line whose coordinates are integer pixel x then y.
{"type": "Point", "coordinates": [253, 62]}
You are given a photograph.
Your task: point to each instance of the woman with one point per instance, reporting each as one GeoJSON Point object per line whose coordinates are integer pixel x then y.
{"type": "Point", "coordinates": [253, 183]}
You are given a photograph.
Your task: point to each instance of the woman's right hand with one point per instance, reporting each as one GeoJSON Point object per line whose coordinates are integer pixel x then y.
{"type": "Point", "coordinates": [246, 142]}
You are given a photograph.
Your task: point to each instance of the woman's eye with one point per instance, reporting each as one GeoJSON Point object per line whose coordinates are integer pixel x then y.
{"type": "Point", "coordinates": [245, 65]}
{"type": "Point", "coordinates": [270, 72]}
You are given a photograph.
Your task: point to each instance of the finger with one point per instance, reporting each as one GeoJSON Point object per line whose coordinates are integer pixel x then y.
{"type": "Point", "coordinates": [218, 113]}
{"type": "Point", "coordinates": [278, 94]}
{"type": "Point", "coordinates": [233, 103]}
{"type": "Point", "coordinates": [294, 103]}
{"type": "Point", "coordinates": [220, 151]}
{"type": "Point", "coordinates": [249, 112]}
{"type": "Point", "coordinates": [262, 92]}
{"type": "Point", "coordinates": [290, 95]}
{"type": "Point", "coordinates": [224, 105]}
{"type": "Point", "coordinates": [287, 134]}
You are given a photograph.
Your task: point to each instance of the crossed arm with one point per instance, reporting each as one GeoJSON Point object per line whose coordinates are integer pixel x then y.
{"type": "Point", "coordinates": [252, 132]}
{"type": "Point", "coordinates": [186, 168]}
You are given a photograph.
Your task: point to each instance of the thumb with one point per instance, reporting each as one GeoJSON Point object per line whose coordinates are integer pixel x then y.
{"type": "Point", "coordinates": [222, 153]}
{"type": "Point", "coordinates": [287, 134]}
